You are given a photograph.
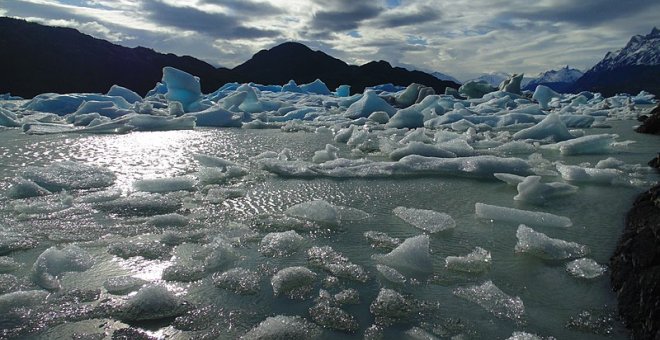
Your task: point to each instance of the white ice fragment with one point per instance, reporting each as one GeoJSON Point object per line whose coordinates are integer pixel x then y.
{"type": "Point", "coordinates": [152, 302]}
{"type": "Point", "coordinates": [390, 304]}
{"type": "Point", "coordinates": [221, 255]}
{"type": "Point", "coordinates": [591, 144]}
{"type": "Point", "coordinates": [551, 127]}
{"type": "Point", "coordinates": [494, 300]}
{"type": "Point", "coordinates": [238, 280]}
{"type": "Point", "coordinates": [391, 274]}
{"type": "Point", "coordinates": [329, 153]}
{"type": "Point", "coordinates": [417, 333]}
{"type": "Point", "coordinates": [318, 211]}
{"type": "Point", "coordinates": [141, 203]}
{"type": "Point", "coordinates": [22, 299]}
{"type": "Point", "coordinates": [337, 264]}
{"type": "Point", "coordinates": [138, 247]}
{"type": "Point", "coordinates": [216, 175]}
{"type": "Point", "coordinates": [576, 173]}
{"type": "Point", "coordinates": [544, 247]}
{"type": "Point", "coordinates": [122, 285]}
{"type": "Point", "coordinates": [164, 185]}
{"type": "Point", "coordinates": [475, 262]}
{"type": "Point", "coordinates": [411, 256]}
{"type": "Point", "coordinates": [427, 220]}
{"type": "Point", "coordinates": [332, 317]}
{"type": "Point", "coordinates": [289, 279]}
{"type": "Point", "coordinates": [101, 196]}
{"type": "Point", "coordinates": [23, 188]}
{"type": "Point", "coordinates": [421, 149]}
{"type": "Point", "coordinates": [585, 268]}
{"type": "Point", "coordinates": [168, 220]}
{"type": "Point", "coordinates": [524, 335]}
{"type": "Point", "coordinates": [53, 262]}
{"type": "Point", "coordinates": [69, 175]}
{"type": "Point", "coordinates": [120, 91]}
{"type": "Point", "coordinates": [379, 239]}
{"type": "Point", "coordinates": [532, 190]}
{"type": "Point", "coordinates": [380, 117]}
{"type": "Point", "coordinates": [610, 163]}
{"type": "Point", "coordinates": [212, 161]}
{"type": "Point", "coordinates": [518, 216]}
{"type": "Point", "coordinates": [283, 327]}
{"type": "Point", "coordinates": [543, 95]}
{"type": "Point", "coordinates": [509, 179]}
{"type": "Point", "coordinates": [280, 243]}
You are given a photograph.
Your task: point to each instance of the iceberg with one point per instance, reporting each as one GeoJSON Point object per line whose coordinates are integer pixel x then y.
{"type": "Point", "coordinates": [69, 175]}
{"type": "Point", "coordinates": [421, 149]}
{"type": "Point", "coordinates": [291, 279]}
{"type": "Point", "coordinates": [411, 256]}
{"type": "Point", "coordinates": [238, 280]}
{"type": "Point", "coordinates": [532, 190]}
{"type": "Point", "coordinates": [53, 262]}
{"type": "Point", "coordinates": [585, 268]}
{"type": "Point", "coordinates": [494, 300]}
{"type": "Point", "coordinates": [426, 220]}
{"type": "Point", "coordinates": [120, 91]}
{"type": "Point", "coordinates": [152, 302]}
{"type": "Point", "coordinates": [477, 261]}
{"type": "Point", "coordinates": [591, 144]}
{"type": "Point", "coordinates": [317, 86]}
{"type": "Point", "coordinates": [368, 104]}
{"type": "Point", "coordinates": [391, 304]}
{"type": "Point", "coordinates": [318, 211]}
{"type": "Point", "coordinates": [280, 243]}
{"type": "Point", "coordinates": [543, 95]}
{"type": "Point", "coordinates": [337, 264]}
{"type": "Point", "coordinates": [550, 128]}
{"type": "Point", "coordinates": [544, 247]}
{"type": "Point", "coordinates": [518, 216]}
{"type": "Point", "coordinates": [291, 86]}
{"type": "Point", "coordinates": [283, 327]}
{"type": "Point", "coordinates": [181, 87]}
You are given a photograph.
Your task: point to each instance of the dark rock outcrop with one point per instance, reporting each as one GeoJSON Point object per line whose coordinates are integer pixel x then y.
{"type": "Point", "coordinates": [652, 122]}
{"type": "Point", "coordinates": [655, 162]}
{"type": "Point", "coordinates": [635, 267]}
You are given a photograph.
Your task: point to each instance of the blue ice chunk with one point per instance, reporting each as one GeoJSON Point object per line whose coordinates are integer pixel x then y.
{"type": "Point", "coordinates": [104, 108]}
{"type": "Point", "coordinates": [125, 93]}
{"type": "Point", "coordinates": [343, 91]}
{"type": "Point", "coordinates": [63, 104]}
{"type": "Point", "coordinates": [317, 86]}
{"type": "Point", "coordinates": [182, 86]}
{"type": "Point", "coordinates": [291, 86]}
{"type": "Point", "coordinates": [216, 116]}
{"type": "Point", "coordinates": [368, 104]}
{"type": "Point", "coordinates": [551, 127]}
{"type": "Point", "coordinates": [8, 118]}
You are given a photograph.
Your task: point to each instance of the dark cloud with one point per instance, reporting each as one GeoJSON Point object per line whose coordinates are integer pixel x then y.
{"type": "Point", "coordinates": [586, 13]}
{"type": "Point", "coordinates": [217, 25]}
{"type": "Point", "coordinates": [344, 15]}
{"type": "Point", "coordinates": [398, 19]}
{"type": "Point", "coordinates": [246, 8]}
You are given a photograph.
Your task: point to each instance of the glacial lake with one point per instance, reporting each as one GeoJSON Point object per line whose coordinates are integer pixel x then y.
{"type": "Point", "coordinates": [556, 303]}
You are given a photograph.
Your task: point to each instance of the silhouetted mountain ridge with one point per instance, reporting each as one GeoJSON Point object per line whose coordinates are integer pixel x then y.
{"type": "Point", "coordinates": [37, 59]}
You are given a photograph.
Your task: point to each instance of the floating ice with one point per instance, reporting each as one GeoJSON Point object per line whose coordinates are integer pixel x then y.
{"type": "Point", "coordinates": [391, 274]}
{"type": "Point", "coordinates": [475, 262]}
{"type": "Point", "coordinates": [181, 87]}
{"type": "Point", "coordinates": [53, 262]}
{"type": "Point", "coordinates": [427, 220]}
{"type": "Point", "coordinates": [291, 86]}
{"type": "Point", "coordinates": [8, 264]}
{"type": "Point", "coordinates": [591, 144]}
{"type": "Point", "coordinates": [511, 215]}
{"type": "Point", "coordinates": [122, 285]}
{"type": "Point", "coordinates": [152, 302]}
{"type": "Point", "coordinates": [125, 93]}
{"type": "Point", "coordinates": [333, 318]}
{"type": "Point", "coordinates": [368, 104]}
{"type": "Point", "coordinates": [337, 264]}
{"type": "Point", "coordinates": [532, 190]}
{"type": "Point", "coordinates": [216, 175]}
{"type": "Point", "coordinates": [510, 179]}
{"type": "Point", "coordinates": [69, 175]}
{"type": "Point", "coordinates": [104, 108]}
{"type": "Point", "coordinates": [168, 220]}
{"type": "Point", "coordinates": [11, 241]}
{"type": "Point", "coordinates": [9, 119]}
{"type": "Point", "coordinates": [141, 204]}
{"type": "Point", "coordinates": [317, 86]}
{"type": "Point", "coordinates": [411, 256]}
{"type": "Point", "coordinates": [280, 244]}
{"type": "Point", "coordinates": [406, 118]}
{"type": "Point", "coordinates": [550, 128]}
{"type": "Point", "coordinates": [543, 95]}
{"type": "Point", "coordinates": [576, 173]}
{"type": "Point", "coordinates": [379, 239]}
{"type": "Point", "coordinates": [164, 185]}
{"type": "Point", "coordinates": [494, 300]}
{"type": "Point", "coordinates": [132, 248]}
{"type": "Point", "coordinates": [322, 156]}
{"type": "Point", "coordinates": [183, 272]}
{"type": "Point", "coordinates": [283, 327]}
{"type": "Point", "coordinates": [475, 89]}
{"type": "Point", "coordinates": [49, 205]}
{"type": "Point", "coordinates": [542, 246]}
{"type": "Point", "coordinates": [524, 335]}
{"type": "Point", "coordinates": [216, 116]}
{"type": "Point", "coordinates": [220, 255]}
{"type": "Point", "coordinates": [22, 299]}
{"type": "Point", "coordinates": [238, 280]}
{"type": "Point", "coordinates": [318, 211]}
{"type": "Point", "coordinates": [585, 268]}
{"type": "Point", "coordinates": [421, 149]}
{"type": "Point", "coordinates": [347, 296]}
{"type": "Point", "coordinates": [62, 104]}
{"type": "Point", "coordinates": [390, 304]}
{"type": "Point", "coordinates": [417, 333]}
{"type": "Point", "coordinates": [23, 188]}
{"type": "Point", "coordinates": [291, 279]}
{"type": "Point", "coordinates": [380, 117]}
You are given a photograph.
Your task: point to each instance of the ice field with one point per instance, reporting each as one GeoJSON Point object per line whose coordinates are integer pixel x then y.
{"type": "Point", "coordinates": [259, 212]}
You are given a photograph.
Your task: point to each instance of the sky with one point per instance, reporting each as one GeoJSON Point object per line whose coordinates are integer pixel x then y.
{"type": "Point", "coordinates": [462, 38]}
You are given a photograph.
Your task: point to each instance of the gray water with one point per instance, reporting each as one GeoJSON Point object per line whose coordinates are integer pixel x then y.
{"type": "Point", "coordinates": [552, 297]}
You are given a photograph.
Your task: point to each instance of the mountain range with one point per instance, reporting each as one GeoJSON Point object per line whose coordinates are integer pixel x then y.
{"type": "Point", "coordinates": [36, 59]}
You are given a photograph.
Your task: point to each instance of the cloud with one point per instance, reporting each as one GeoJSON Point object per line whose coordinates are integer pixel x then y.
{"type": "Point", "coordinates": [214, 24]}
{"type": "Point", "coordinates": [343, 15]}
{"type": "Point", "coordinates": [246, 8]}
{"type": "Point", "coordinates": [396, 18]}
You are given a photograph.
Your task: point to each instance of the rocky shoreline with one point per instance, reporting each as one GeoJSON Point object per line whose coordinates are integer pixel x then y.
{"type": "Point", "coordinates": [635, 265]}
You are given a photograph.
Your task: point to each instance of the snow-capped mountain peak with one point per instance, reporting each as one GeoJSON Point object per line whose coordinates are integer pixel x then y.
{"type": "Point", "coordinates": [444, 76]}
{"type": "Point", "coordinates": [640, 50]}
{"type": "Point", "coordinates": [563, 75]}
